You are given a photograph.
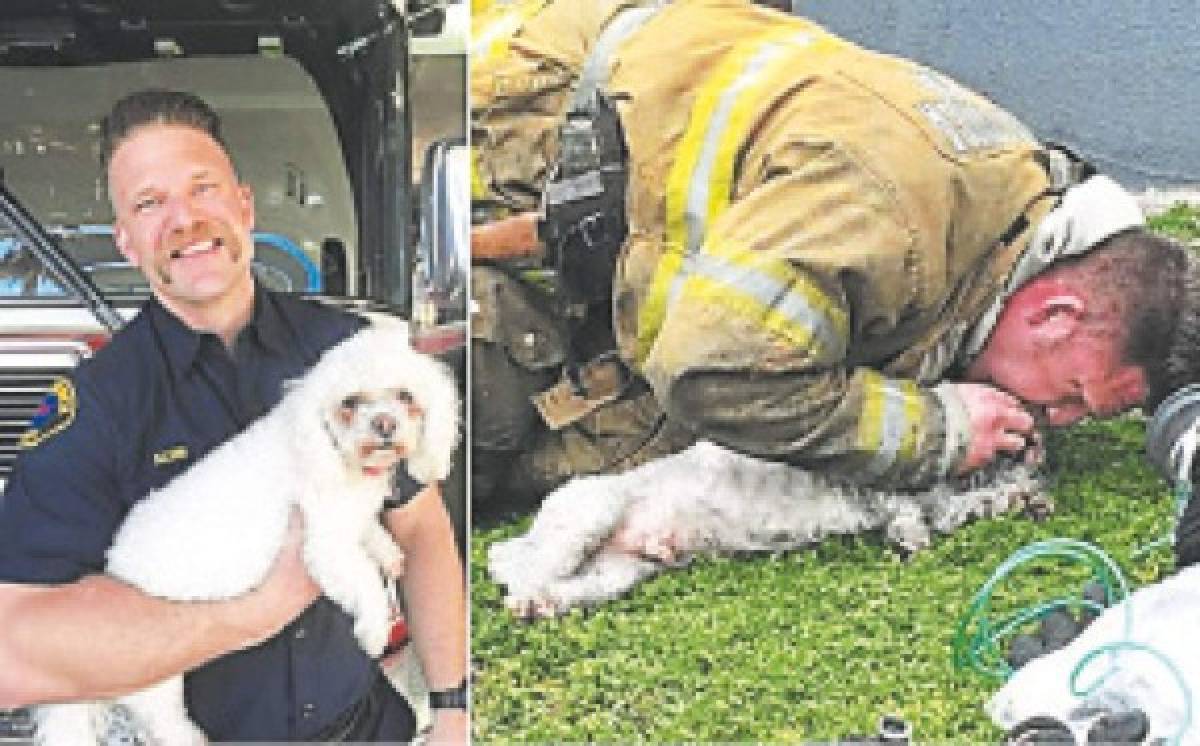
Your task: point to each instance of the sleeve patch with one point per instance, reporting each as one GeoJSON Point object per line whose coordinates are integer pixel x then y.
{"type": "Point", "coordinates": [53, 415]}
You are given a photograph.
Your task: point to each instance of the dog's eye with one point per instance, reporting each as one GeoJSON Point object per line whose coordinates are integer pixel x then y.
{"type": "Point", "coordinates": [351, 402]}
{"type": "Point", "coordinates": [403, 396]}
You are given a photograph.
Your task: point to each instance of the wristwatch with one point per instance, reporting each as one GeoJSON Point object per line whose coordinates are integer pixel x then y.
{"type": "Point", "coordinates": [450, 699]}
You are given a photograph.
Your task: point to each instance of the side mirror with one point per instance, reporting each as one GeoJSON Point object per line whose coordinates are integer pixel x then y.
{"type": "Point", "coordinates": [442, 263]}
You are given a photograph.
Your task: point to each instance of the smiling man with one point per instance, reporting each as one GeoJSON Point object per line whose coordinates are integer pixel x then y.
{"type": "Point", "coordinates": [187, 229]}
{"type": "Point", "coordinates": [205, 357]}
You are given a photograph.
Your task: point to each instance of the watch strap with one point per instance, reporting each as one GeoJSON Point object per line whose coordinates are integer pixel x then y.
{"type": "Point", "coordinates": [449, 699]}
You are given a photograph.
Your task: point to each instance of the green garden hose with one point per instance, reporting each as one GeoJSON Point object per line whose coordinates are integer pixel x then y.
{"type": "Point", "coordinates": [979, 640]}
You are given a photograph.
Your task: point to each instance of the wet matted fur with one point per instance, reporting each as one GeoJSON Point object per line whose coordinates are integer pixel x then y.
{"type": "Point", "coordinates": [596, 537]}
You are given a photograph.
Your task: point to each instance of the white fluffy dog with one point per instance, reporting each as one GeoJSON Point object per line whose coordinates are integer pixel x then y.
{"type": "Point", "coordinates": [597, 536]}
{"type": "Point", "coordinates": [328, 448]}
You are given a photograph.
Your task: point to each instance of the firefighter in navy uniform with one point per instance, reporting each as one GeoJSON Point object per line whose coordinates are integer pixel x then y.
{"type": "Point", "coordinates": [824, 255]}
{"type": "Point", "coordinates": [206, 356]}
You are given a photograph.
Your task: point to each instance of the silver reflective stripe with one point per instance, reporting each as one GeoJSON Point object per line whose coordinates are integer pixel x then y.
{"type": "Point", "coordinates": [595, 71]}
{"type": "Point", "coordinates": [891, 428]}
{"type": "Point", "coordinates": [770, 292]}
{"type": "Point", "coordinates": [699, 190]}
{"type": "Point", "coordinates": [957, 428]}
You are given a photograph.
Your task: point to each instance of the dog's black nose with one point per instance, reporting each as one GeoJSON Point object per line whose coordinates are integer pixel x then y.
{"type": "Point", "coordinates": [384, 425]}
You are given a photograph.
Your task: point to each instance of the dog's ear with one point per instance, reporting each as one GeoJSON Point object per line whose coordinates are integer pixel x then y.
{"type": "Point", "coordinates": [437, 395]}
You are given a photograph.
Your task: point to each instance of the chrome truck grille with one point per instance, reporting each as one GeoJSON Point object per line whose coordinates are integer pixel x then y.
{"type": "Point", "coordinates": [16, 727]}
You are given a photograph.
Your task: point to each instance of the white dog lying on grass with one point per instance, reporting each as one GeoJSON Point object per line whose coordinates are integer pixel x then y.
{"type": "Point", "coordinates": [328, 448]}
{"type": "Point", "coordinates": [596, 537]}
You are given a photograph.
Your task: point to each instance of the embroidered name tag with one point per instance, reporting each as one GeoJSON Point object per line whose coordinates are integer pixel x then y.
{"type": "Point", "coordinates": [968, 121]}
{"type": "Point", "coordinates": [170, 455]}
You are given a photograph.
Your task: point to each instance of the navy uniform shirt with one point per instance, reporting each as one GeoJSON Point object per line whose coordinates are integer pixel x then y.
{"type": "Point", "coordinates": [157, 398]}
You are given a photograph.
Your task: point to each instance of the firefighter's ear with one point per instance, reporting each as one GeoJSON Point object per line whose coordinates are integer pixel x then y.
{"type": "Point", "coordinates": [246, 204]}
{"type": "Point", "coordinates": [1056, 318]}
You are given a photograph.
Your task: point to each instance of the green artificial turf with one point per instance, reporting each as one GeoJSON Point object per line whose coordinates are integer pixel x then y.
{"type": "Point", "coordinates": [814, 644]}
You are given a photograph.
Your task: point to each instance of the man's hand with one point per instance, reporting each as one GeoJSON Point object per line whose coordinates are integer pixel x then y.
{"type": "Point", "coordinates": [98, 637]}
{"type": "Point", "coordinates": [284, 593]}
{"type": "Point", "coordinates": [998, 422]}
{"type": "Point", "coordinates": [514, 237]}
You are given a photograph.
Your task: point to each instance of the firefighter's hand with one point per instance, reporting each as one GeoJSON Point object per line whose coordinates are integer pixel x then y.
{"type": "Point", "coordinates": [998, 423]}
{"type": "Point", "coordinates": [514, 237]}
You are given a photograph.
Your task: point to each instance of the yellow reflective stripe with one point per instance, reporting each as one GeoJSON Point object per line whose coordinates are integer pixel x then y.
{"type": "Point", "coordinates": [684, 235]}
{"type": "Point", "coordinates": [700, 183]}
{"type": "Point", "coordinates": [745, 97]}
{"type": "Point", "coordinates": [789, 291]}
{"type": "Point", "coordinates": [914, 413]}
{"type": "Point", "coordinates": [701, 174]}
{"type": "Point", "coordinates": [478, 185]}
{"type": "Point", "coordinates": [490, 37]}
{"type": "Point", "coordinates": [770, 292]}
{"type": "Point", "coordinates": [736, 301]}
{"type": "Point", "coordinates": [688, 158]}
{"type": "Point", "coordinates": [890, 422]}
{"type": "Point", "coordinates": [870, 424]}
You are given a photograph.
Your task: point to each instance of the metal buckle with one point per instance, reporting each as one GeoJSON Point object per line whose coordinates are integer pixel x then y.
{"type": "Point", "coordinates": [1060, 169]}
{"type": "Point", "coordinates": [585, 227]}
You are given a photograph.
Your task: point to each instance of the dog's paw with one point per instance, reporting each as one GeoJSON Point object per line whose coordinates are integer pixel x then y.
{"type": "Point", "coordinates": [1037, 506]}
{"type": "Point", "coordinates": [532, 606]}
{"type": "Point", "coordinates": [429, 466]}
{"type": "Point", "coordinates": [395, 565]}
{"type": "Point", "coordinates": [372, 635]}
{"type": "Point", "coordinates": [908, 549]}
{"type": "Point", "coordinates": [390, 558]}
{"type": "Point", "coordinates": [909, 537]}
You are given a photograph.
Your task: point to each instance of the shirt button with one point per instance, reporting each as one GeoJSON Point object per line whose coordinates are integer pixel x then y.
{"type": "Point", "coordinates": [308, 710]}
{"type": "Point", "coordinates": [301, 633]}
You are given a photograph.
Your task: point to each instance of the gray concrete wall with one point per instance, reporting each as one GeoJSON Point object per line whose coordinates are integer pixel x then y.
{"type": "Point", "coordinates": [1117, 81]}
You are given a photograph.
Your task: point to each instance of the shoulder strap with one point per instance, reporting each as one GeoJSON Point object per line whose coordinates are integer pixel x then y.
{"type": "Point", "coordinates": [596, 68]}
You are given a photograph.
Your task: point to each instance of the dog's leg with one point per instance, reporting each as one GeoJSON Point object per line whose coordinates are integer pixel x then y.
{"type": "Point", "coordinates": [382, 548]}
{"type": "Point", "coordinates": [573, 522]}
{"type": "Point", "coordinates": [665, 546]}
{"type": "Point", "coordinates": [161, 712]}
{"type": "Point", "coordinates": [351, 580]}
{"type": "Point", "coordinates": [66, 724]}
{"type": "Point", "coordinates": [507, 561]}
{"type": "Point", "coordinates": [906, 526]}
{"type": "Point", "coordinates": [608, 575]}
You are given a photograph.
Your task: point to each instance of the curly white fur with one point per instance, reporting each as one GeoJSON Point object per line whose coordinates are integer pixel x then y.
{"type": "Point", "coordinates": [213, 532]}
{"type": "Point", "coordinates": [596, 537]}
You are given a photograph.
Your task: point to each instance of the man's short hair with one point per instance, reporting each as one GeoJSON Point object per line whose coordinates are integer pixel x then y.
{"type": "Point", "coordinates": [156, 106]}
{"type": "Point", "coordinates": [1182, 363]}
{"type": "Point", "coordinates": [1153, 284]}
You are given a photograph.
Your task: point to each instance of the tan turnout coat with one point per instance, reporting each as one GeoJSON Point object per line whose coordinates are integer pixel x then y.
{"type": "Point", "coordinates": [815, 228]}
